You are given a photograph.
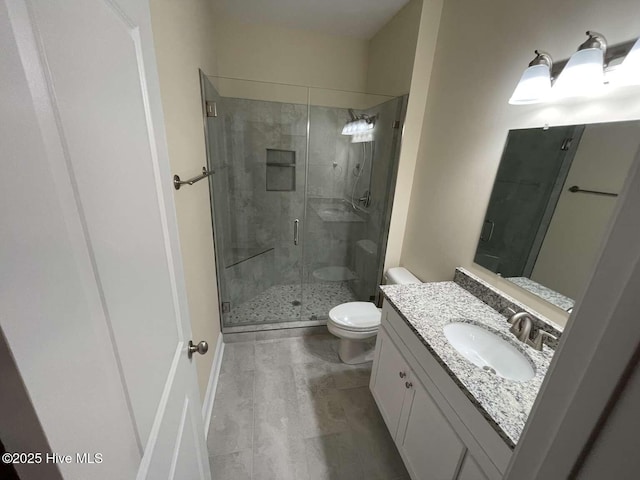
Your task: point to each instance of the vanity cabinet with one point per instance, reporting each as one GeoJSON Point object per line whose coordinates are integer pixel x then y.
{"type": "Point", "coordinates": [470, 470]}
{"type": "Point", "coordinates": [432, 439]}
{"type": "Point", "coordinates": [429, 446]}
{"type": "Point", "coordinates": [391, 380]}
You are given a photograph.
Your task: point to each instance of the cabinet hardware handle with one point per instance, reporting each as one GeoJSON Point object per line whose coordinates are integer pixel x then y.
{"type": "Point", "coordinates": [402, 374]}
{"type": "Point", "coordinates": [408, 384]}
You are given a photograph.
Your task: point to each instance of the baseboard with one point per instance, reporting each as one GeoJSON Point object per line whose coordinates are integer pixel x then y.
{"type": "Point", "coordinates": [207, 404]}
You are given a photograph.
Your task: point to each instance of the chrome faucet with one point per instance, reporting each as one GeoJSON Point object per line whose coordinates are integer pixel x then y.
{"type": "Point", "coordinates": [521, 326]}
{"type": "Point", "coordinates": [365, 199]}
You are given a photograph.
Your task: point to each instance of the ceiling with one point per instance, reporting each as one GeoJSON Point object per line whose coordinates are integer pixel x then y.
{"type": "Point", "coordinates": [354, 18]}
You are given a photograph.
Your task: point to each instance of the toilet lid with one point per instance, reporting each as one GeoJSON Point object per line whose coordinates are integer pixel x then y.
{"type": "Point", "coordinates": [356, 315]}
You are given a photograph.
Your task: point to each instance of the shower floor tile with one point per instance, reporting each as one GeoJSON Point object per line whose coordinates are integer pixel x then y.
{"type": "Point", "coordinates": [282, 303]}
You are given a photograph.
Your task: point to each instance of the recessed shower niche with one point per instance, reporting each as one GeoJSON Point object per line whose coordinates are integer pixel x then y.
{"type": "Point", "coordinates": [300, 212]}
{"type": "Point", "coordinates": [281, 170]}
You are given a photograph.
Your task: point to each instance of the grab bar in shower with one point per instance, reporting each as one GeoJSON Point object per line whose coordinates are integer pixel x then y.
{"type": "Point", "coordinates": [576, 188]}
{"type": "Point", "coordinates": [177, 183]}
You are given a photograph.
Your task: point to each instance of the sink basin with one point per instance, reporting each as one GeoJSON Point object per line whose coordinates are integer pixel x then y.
{"type": "Point", "coordinates": [489, 351]}
{"type": "Point", "coordinates": [333, 211]}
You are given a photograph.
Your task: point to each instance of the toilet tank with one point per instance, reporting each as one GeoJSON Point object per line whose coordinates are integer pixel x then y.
{"type": "Point", "coordinates": [400, 276]}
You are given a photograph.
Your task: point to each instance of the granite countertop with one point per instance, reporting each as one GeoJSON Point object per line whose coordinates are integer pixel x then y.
{"type": "Point", "coordinates": [551, 296]}
{"type": "Point", "coordinates": [427, 308]}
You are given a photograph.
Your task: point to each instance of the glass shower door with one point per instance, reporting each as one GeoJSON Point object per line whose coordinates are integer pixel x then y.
{"type": "Point", "coordinates": [257, 150]}
{"type": "Point", "coordinates": [350, 184]}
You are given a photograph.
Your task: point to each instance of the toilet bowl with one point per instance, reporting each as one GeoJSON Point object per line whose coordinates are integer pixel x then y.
{"type": "Point", "coordinates": [356, 323]}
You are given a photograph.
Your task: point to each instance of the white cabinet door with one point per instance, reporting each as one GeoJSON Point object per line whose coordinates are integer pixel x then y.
{"type": "Point", "coordinates": [93, 296]}
{"type": "Point", "coordinates": [388, 385]}
{"type": "Point", "coordinates": [429, 445]}
{"type": "Point", "coordinates": [470, 470]}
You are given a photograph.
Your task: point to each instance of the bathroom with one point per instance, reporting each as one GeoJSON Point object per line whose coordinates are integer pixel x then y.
{"type": "Point", "coordinates": [319, 280]}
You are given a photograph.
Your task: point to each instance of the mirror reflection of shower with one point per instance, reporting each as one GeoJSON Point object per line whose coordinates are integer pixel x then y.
{"type": "Point", "coordinates": [361, 129]}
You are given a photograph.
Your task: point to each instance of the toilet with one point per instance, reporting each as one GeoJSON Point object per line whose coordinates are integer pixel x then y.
{"type": "Point", "coordinates": [356, 323]}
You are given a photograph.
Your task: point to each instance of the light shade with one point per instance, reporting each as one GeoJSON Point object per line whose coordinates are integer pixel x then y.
{"type": "Point", "coordinates": [583, 75]}
{"type": "Point", "coordinates": [357, 126]}
{"type": "Point", "coordinates": [362, 137]}
{"type": "Point", "coordinates": [534, 86]}
{"type": "Point", "coordinates": [629, 71]}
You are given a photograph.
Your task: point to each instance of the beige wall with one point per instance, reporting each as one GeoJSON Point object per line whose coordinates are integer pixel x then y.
{"type": "Point", "coordinates": [283, 55]}
{"type": "Point", "coordinates": [382, 65]}
{"type": "Point", "coordinates": [184, 43]}
{"type": "Point", "coordinates": [412, 147]}
{"type": "Point", "coordinates": [482, 50]}
{"type": "Point", "coordinates": [392, 51]}
{"type": "Point", "coordinates": [579, 222]}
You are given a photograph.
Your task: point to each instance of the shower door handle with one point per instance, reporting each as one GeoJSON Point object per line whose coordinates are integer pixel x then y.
{"type": "Point", "coordinates": [296, 225]}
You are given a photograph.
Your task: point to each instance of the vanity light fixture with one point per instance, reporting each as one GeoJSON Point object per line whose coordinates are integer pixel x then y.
{"type": "Point", "coordinates": [593, 66]}
{"type": "Point", "coordinates": [360, 125]}
{"type": "Point", "coordinates": [629, 71]}
{"type": "Point", "coordinates": [535, 84]}
{"type": "Point", "coordinates": [584, 72]}
{"type": "Point", "coordinates": [362, 137]}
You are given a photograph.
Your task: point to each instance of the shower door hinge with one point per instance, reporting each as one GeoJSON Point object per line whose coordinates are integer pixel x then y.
{"type": "Point", "coordinates": [566, 144]}
{"type": "Point", "coordinates": [212, 109]}
{"type": "Point", "coordinates": [226, 307]}
{"type": "Point", "coordinates": [396, 124]}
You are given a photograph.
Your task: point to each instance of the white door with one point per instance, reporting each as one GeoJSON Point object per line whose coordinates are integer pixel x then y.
{"type": "Point", "coordinates": [91, 283]}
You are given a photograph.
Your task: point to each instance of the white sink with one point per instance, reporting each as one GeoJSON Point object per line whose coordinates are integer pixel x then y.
{"type": "Point", "coordinates": [333, 211]}
{"type": "Point", "coordinates": [489, 351]}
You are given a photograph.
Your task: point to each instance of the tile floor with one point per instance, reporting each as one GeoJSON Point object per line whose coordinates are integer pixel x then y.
{"type": "Point", "coordinates": [282, 302]}
{"type": "Point", "coordinates": [286, 408]}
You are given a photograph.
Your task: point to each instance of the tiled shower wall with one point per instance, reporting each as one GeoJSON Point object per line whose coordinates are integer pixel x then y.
{"type": "Point", "coordinates": [256, 240]}
{"type": "Point", "coordinates": [256, 220]}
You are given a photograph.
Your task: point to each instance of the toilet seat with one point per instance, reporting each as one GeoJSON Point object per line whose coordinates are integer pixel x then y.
{"type": "Point", "coordinates": [356, 316]}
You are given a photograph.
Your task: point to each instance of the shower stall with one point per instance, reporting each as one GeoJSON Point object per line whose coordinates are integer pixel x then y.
{"type": "Point", "coordinates": [301, 198]}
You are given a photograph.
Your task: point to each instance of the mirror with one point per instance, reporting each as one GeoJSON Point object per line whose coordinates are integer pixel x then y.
{"type": "Point", "coordinates": [551, 202]}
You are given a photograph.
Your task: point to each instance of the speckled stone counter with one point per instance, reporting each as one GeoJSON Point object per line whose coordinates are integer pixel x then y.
{"type": "Point", "coordinates": [543, 292]}
{"type": "Point", "coordinates": [427, 308]}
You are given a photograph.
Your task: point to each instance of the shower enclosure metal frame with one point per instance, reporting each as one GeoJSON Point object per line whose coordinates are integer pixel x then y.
{"type": "Point", "coordinates": [300, 320]}
{"type": "Point", "coordinates": [205, 114]}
